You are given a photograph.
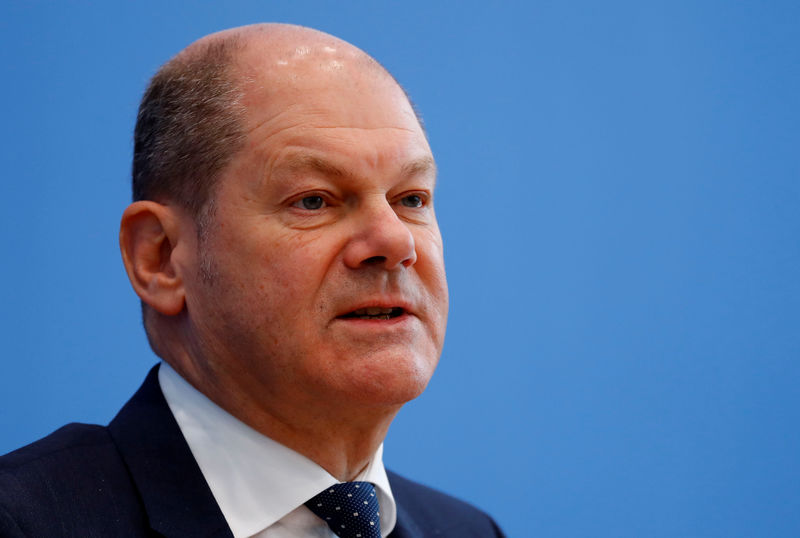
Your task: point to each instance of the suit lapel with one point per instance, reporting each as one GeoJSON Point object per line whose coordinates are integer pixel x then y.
{"type": "Point", "coordinates": [175, 495]}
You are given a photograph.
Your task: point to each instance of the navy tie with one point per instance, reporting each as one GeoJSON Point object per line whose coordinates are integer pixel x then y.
{"type": "Point", "coordinates": [350, 510]}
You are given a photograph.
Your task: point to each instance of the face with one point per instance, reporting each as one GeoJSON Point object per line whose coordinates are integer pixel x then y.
{"type": "Point", "coordinates": [321, 272]}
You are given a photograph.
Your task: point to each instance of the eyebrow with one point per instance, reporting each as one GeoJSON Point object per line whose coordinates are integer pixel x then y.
{"type": "Point", "coordinates": [305, 161]}
{"type": "Point", "coordinates": [420, 166]}
{"type": "Point", "coordinates": [312, 162]}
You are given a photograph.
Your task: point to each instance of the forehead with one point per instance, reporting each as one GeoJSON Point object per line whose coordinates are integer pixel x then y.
{"type": "Point", "coordinates": [322, 83]}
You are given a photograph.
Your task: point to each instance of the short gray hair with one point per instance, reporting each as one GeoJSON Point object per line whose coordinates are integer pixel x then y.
{"type": "Point", "coordinates": [189, 126]}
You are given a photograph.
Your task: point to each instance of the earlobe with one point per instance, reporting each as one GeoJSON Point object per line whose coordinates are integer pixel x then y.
{"type": "Point", "coordinates": [148, 236]}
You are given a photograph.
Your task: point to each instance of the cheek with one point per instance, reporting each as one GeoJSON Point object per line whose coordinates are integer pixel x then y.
{"type": "Point", "coordinates": [434, 295]}
{"type": "Point", "coordinates": [430, 267]}
{"type": "Point", "coordinates": [294, 266]}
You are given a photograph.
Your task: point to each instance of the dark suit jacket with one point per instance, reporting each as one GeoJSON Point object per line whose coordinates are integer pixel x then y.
{"type": "Point", "coordinates": [137, 477]}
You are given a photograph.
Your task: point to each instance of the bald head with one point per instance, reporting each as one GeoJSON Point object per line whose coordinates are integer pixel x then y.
{"type": "Point", "coordinates": [193, 116]}
{"type": "Point", "coordinates": [279, 49]}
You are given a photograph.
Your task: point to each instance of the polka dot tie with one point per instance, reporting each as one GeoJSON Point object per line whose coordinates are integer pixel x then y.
{"type": "Point", "coordinates": [350, 509]}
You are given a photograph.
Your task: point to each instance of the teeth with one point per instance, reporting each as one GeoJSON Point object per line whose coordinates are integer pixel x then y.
{"type": "Point", "coordinates": [372, 311]}
{"type": "Point", "coordinates": [375, 312]}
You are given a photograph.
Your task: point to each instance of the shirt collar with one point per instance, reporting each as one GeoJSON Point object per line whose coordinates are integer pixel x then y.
{"type": "Point", "coordinates": [255, 480]}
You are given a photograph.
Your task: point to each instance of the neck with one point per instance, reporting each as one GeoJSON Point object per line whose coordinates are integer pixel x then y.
{"type": "Point", "coordinates": [338, 435]}
{"type": "Point", "coordinates": [344, 449]}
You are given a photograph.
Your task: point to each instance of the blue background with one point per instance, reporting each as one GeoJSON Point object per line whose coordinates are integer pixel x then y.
{"type": "Point", "coordinates": [619, 198]}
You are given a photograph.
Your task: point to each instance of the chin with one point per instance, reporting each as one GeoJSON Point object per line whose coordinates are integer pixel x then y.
{"type": "Point", "coordinates": [391, 381]}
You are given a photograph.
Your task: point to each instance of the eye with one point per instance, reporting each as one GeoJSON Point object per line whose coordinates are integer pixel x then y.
{"type": "Point", "coordinates": [412, 200]}
{"type": "Point", "coordinates": [311, 203]}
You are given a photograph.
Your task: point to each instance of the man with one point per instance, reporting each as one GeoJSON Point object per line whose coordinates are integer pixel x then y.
{"type": "Point", "coordinates": [285, 248]}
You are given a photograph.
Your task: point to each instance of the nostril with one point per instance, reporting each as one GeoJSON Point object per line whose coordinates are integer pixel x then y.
{"type": "Point", "coordinates": [374, 260]}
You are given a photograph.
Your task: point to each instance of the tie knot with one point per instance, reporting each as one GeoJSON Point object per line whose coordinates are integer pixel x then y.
{"type": "Point", "coordinates": [350, 509]}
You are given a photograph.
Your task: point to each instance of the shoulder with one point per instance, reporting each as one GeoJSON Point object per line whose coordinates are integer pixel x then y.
{"type": "Point", "coordinates": [73, 473]}
{"type": "Point", "coordinates": [59, 444]}
{"type": "Point", "coordinates": [435, 512]}
{"type": "Point", "coordinates": [70, 452]}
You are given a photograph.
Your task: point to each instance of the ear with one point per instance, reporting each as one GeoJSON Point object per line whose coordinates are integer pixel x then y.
{"type": "Point", "coordinates": [148, 237]}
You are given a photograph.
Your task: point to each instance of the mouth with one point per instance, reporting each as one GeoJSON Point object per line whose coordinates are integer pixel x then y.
{"type": "Point", "coordinates": [375, 313]}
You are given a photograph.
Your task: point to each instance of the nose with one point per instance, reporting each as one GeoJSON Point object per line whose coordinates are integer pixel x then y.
{"type": "Point", "coordinates": [381, 239]}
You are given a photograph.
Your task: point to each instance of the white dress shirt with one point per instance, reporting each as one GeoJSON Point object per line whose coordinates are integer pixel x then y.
{"type": "Point", "coordinates": [259, 484]}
